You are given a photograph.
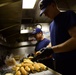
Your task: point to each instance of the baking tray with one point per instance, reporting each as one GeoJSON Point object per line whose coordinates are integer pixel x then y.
{"type": "Point", "coordinates": [47, 72]}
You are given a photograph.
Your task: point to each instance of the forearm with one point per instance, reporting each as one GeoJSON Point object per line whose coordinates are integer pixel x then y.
{"type": "Point", "coordinates": [69, 45]}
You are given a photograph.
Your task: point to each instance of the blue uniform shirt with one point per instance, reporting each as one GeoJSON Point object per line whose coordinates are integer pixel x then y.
{"type": "Point", "coordinates": [41, 44]}
{"type": "Point", "coordinates": [59, 33]}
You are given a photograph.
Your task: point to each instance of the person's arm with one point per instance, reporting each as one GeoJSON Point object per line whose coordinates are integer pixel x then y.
{"type": "Point", "coordinates": [38, 52]}
{"type": "Point", "coordinates": [68, 45]}
{"type": "Point", "coordinates": [49, 45]}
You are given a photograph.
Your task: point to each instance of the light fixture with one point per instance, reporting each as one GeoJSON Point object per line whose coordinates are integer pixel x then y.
{"type": "Point", "coordinates": [38, 26]}
{"type": "Point", "coordinates": [24, 31]}
{"type": "Point", "coordinates": [28, 4]}
{"type": "Point", "coordinates": [62, 10]}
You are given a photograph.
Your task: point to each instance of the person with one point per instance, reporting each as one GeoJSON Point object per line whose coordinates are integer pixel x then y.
{"type": "Point", "coordinates": [63, 37]}
{"type": "Point", "coordinates": [42, 42]}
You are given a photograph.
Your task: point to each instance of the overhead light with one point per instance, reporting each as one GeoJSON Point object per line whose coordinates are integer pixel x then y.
{"type": "Point", "coordinates": [23, 43]}
{"type": "Point", "coordinates": [39, 26]}
{"type": "Point", "coordinates": [62, 10]}
{"type": "Point", "coordinates": [28, 4]}
{"type": "Point", "coordinates": [24, 31]}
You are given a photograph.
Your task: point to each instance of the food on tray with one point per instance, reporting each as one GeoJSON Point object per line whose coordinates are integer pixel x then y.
{"type": "Point", "coordinates": [23, 71]}
{"type": "Point", "coordinates": [27, 61]}
{"type": "Point", "coordinates": [27, 66]}
{"type": "Point", "coordinates": [42, 66]}
{"type": "Point", "coordinates": [18, 65]}
{"type": "Point", "coordinates": [18, 73]}
{"type": "Point", "coordinates": [36, 67]}
{"type": "Point", "coordinates": [31, 68]}
{"type": "Point", "coordinates": [9, 74]}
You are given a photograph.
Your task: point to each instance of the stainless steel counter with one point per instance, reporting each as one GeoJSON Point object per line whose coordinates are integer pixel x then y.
{"type": "Point", "coordinates": [47, 72]}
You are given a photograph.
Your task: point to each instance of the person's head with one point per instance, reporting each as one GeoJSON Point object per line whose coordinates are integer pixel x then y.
{"type": "Point", "coordinates": [49, 8]}
{"type": "Point", "coordinates": [38, 34]}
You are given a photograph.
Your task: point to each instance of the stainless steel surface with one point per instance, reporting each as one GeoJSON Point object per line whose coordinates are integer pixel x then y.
{"type": "Point", "coordinates": [47, 72]}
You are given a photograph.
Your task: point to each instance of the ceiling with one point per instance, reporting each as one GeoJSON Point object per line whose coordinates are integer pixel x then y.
{"type": "Point", "coordinates": [12, 16]}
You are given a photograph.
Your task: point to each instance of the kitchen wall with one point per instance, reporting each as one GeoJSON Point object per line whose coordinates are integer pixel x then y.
{"type": "Point", "coordinates": [4, 51]}
{"type": "Point", "coordinates": [23, 51]}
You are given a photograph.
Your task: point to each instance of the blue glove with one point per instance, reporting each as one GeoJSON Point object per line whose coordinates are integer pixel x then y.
{"type": "Point", "coordinates": [45, 52]}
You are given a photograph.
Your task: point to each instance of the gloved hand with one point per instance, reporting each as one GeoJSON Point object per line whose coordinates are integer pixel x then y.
{"type": "Point", "coordinates": [37, 53]}
{"type": "Point", "coordinates": [31, 54]}
{"type": "Point", "coordinates": [45, 52]}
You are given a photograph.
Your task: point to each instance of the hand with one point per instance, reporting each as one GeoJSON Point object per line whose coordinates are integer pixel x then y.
{"type": "Point", "coordinates": [31, 54]}
{"type": "Point", "coordinates": [45, 52]}
{"type": "Point", "coordinates": [37, 53]}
